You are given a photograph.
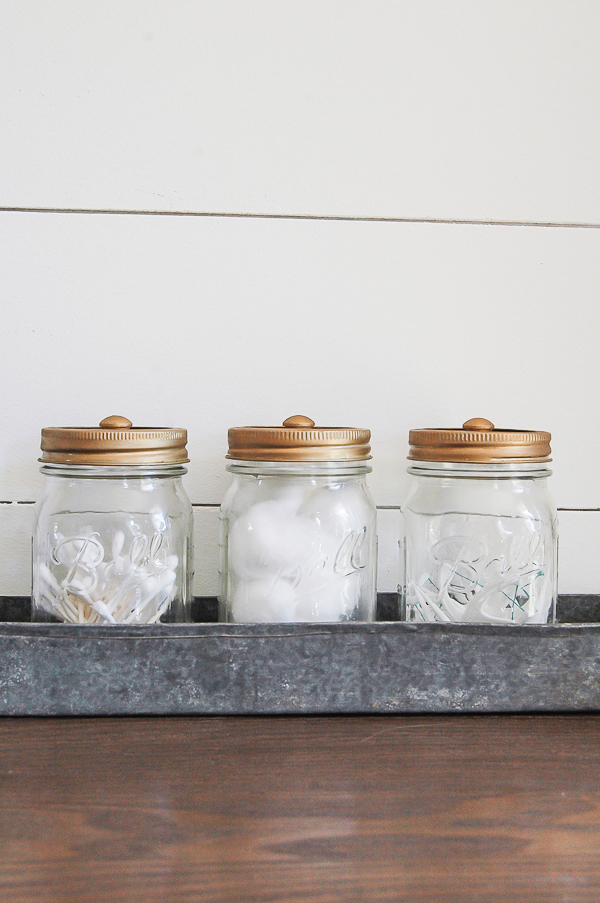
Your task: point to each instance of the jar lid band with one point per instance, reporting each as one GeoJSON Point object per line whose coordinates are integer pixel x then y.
{"type": "Point", "coordinates": [115, 442]}
{"type": "Point", "coordinates": [298, 439]}
{"type": "Point", "coordinates": [479, 442]}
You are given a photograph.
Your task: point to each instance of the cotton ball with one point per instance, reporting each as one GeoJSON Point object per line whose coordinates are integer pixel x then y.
{"type": "Point", "coordinates": [339, 508]}
{"type": "Point", "coordinates": [290, 495]}
{"type": "Point", "coordinates": [316, 563]}
{"type": "Point", "coordinates": [268, 539]}
{"type": "Point", "coordinates": [241, 496]}
{"type": "Point", "coordinates": [328, 587]}
{"type": "Point", "coordinates": [262, 601]}
{"type": "Point", "coordinates": [250, 492]}
{"type": "Point", "coordinates": [333, 601]}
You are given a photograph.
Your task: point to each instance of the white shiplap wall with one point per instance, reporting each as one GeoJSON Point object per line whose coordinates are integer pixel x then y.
{"type": "Point", "coordinates": [295, 154]}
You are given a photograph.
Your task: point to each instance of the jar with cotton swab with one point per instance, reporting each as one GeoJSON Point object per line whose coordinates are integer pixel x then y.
{"type": "Point", "coordinates": [298, 525]}
{"type": "Point", "coordinates": [112, 538]}
{"type": "Point", "coordinates": [480, 527]}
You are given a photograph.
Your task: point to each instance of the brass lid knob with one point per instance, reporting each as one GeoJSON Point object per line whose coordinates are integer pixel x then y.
{"type": "Point", "coordinates": [478, 423]}
{"type": "Point", "coordinates": [298, 420]}
{"type": "Point", "coordinates": [116, 422]}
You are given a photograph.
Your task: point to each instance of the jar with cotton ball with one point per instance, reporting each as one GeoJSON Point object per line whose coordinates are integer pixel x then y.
{"type": "Point", "coordinates": [112, 538]}
{"type": "Point", "coordinates": [298, 525]}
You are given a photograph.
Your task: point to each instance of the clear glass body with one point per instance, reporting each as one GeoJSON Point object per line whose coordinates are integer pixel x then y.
{"type": "Point", "coordinates": [480, 544]}
{"type": "Point", "coordinates": [298, 543]}
{"type": "Point", "coordinates": [112, 545]}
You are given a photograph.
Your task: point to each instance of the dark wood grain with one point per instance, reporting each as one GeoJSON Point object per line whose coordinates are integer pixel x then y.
{"type": "Point", "coordinates": [300, 810]}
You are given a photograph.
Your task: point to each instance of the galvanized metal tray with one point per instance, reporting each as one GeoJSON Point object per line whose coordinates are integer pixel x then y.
{"type": "Point", "coordinates": [209, 668]}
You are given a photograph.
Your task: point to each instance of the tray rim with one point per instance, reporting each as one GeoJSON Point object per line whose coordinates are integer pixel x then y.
{"type": "Point", "coordinates": [272, 630]}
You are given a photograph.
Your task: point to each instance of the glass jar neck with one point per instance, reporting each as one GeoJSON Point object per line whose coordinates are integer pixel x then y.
{"type": "Point", "coordinates": [480, 471]}
{"type": "Point", "coordinates": [112, 472]}
{"type": "Point", "coordinates": [300, 468]}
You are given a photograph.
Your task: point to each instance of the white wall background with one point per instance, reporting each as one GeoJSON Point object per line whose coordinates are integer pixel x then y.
{"type": "Point", "coordinates": [381, 213]}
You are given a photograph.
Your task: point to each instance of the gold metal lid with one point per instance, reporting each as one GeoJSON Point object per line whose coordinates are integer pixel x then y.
{"type": "Point", "coordinates": [479, 442]}
{"type": "Point", "coordinates": [298, 440]}
{"type": "Point", "coordinates": [115, 442]}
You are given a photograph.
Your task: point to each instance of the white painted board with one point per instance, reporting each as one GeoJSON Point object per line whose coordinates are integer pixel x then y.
{"type": "Point", "coordinates": [213, 323]}
{"type": "Point", "coordinates": [385, 108]}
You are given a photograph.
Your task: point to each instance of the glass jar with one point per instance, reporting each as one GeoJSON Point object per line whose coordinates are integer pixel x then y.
{"type": "Point", "coordinates": [112, 538]}
{"type": "Point", "coordinates": [480, 527]}
{"type": "Point", "coordinates": [298, 526]}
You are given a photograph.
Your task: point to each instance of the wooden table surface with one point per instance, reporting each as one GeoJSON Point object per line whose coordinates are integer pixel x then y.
{"type": "Point", "coordinates": [457, 808]}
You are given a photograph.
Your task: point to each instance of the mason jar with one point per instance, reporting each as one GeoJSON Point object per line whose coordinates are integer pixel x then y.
{"type": "Point", "coordinates": [112, 539]}
{"type": "Point", "coordinates": [298, 525]}
{"type": "Point", "coordinates": [480, 527]}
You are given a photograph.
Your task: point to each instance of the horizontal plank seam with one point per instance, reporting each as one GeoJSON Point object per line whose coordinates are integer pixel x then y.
{"type": "Point", "coordinates": [306, 216]}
